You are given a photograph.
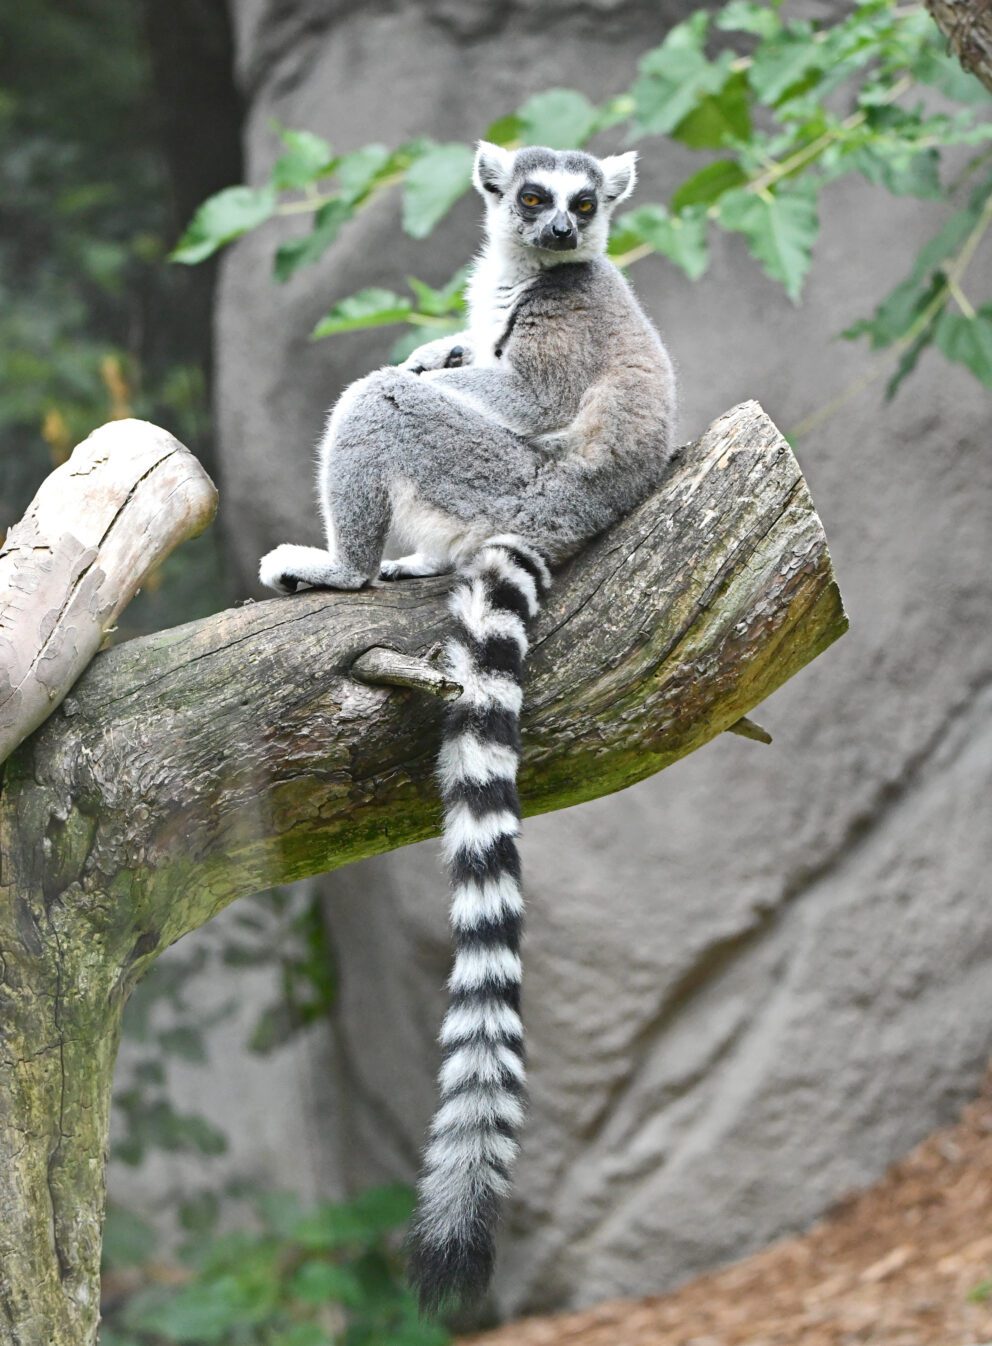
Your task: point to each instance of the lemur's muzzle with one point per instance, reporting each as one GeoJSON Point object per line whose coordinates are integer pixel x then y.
{"type": "Point", "coordinates": [561, 235]}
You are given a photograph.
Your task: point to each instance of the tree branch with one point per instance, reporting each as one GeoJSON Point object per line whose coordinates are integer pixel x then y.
{"type": "Point", "coordinates": [125, 499]}
{"type": "Point", "coordinates": [382, 667]}
{"type": "Point", "coordinates": [194, 766]}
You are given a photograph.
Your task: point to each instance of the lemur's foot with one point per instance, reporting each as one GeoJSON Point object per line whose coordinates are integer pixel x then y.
{"type": "Point", "coordinates": [440, 354]}
{"type": "Point", "coordinates": [286, 567]}
{"type": "Point", "coordinates": [415, 566]}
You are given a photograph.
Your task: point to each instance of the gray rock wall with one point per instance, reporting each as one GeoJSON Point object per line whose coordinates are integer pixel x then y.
{"type": "Point", "coordinates": [752, 981]}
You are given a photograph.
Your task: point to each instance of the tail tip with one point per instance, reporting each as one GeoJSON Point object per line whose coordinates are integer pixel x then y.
{"type": "Point", "coordinates": [449, 1275]}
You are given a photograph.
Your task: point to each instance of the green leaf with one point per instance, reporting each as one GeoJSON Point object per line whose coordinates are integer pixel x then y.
{"type": "Point", "coordinates": [246, 955]}
{"type": "Point", "coordinates": [275, 1026]}
{"type": "Point", "coordinates": [615, 110]}
{"type": "Point", "coordinates": [746, 16]}
{"type": "Point", "coordinates": [130, 1150]}
{"type": "Point", "coordinates": [199, 1213]}
{"type": "Point", "coordinates": [204, 1311]}
{"type": "Point", "coordinates": [681, 238]}
{"type": "Point", "coordinates": [676, 76]}
{"type": "Point", "coordinates": [563, 119]}
{"type": "Point", "coordinates": [109, 1336]}
{"type": "Point", "coordinates": [450, 298]}
{"type": "Point", "coordinates": [434, 182]}
{"type": "Point", "coordinates": [780, 231]}
{"type": "Point", "coordinates": [414, 1333]}
{"type": "Point", "coordinates": [783, 61]}
{"type": "Point", "coordinates": [901, 170]}
{"type": "Point", "coordinates": [967, 341]}
{"type": "Point", "coordinates": [908, 361]}
{"type": "Point", "coordinates": [319, 1282]}
{"type": "Point", "coordinates": [156, 1123]}
{"type": "Point", "coordinates": [384, 1208]}
{"type": "Point", "coordinates": [900, 308]}
{"type": "Point", "coordinates": [196, 1133]}
{"type": "Point", "coordinates": [301, 1334]}
{"type": "Point", "coordinates": [221, 219]}
{"type": "Point", "coordinates": [358, 171]}
{"type": "Point", "coordinates": [216, 1254]}
{"type": "Point", "coordinates": [307, 158]}
{"type": "Point", "coordinates": [897, 312]}
{"type": "Point", "coordinates": [505, 130]}
{"type": "Point", "coordinates": [709, 184]}
{"type": "Point", "coordinates": [367, 308]}
{"type": "Point", "coordinates": [333, 1225]}
{"type": "Point", "coordinates": [149, 1072]}
{"type": "Point", "coordinates": [281, 1212]}
{"type": "Point", "coordinates": [718, 118]}
{"type": "Point", "coordinates": [174, 1131]}
{"type": "Point", "coordinates": [183, 1041]}
{"type": "Point", "coordinates": [311, 247]}
{"type": "Point", "coordinates": [945, 72]}
{"type": "Point", "coordinates": [128, 1241]}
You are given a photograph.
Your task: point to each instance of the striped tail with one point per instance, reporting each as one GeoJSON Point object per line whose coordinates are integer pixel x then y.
{"type": "Point", "coordinates": [473, 1137]}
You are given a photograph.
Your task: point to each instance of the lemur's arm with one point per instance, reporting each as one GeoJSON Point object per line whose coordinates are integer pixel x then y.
{"type": "Point", "coordinates": [500, 394]}
{"type": "Point", "coordinates": [448, 352]}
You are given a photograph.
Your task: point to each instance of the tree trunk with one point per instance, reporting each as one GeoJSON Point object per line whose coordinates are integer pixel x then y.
{"type": "Point", "coordinates": [967, 25]}
{"type": "Point", "coordinates": [192, 767]}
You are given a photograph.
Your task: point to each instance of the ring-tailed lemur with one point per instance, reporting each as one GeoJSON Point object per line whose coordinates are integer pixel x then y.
{"type": "Point", "coordinates": [497, 452]}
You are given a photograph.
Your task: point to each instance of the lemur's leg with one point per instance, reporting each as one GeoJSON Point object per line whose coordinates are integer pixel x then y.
{"type": "Point", "coordinates": [288, 566]}
{"type": "Point", "coordinates": [397, 442]}
{"type": "Point", "coordinates": [415, 566]}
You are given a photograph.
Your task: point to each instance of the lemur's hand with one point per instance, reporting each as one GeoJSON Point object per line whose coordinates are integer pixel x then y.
{"type": "Point", "coordinates": [446, 353]}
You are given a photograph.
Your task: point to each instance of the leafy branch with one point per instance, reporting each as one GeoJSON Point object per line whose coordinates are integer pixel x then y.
{"type": "Point", "coordinates": [784, 107]}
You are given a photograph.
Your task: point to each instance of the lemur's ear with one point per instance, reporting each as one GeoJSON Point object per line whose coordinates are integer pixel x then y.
{"type": "Point", "coordinates": [493, 168]}
{"type": "Point", "coordinates": [620, 172]}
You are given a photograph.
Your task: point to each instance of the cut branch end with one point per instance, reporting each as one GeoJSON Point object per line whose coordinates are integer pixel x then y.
{"type": "Point", "coordinates": [383, 667]}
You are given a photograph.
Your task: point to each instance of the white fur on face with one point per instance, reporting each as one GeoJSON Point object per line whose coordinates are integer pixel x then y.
{"type": "Point", "coordinates": [562, 185]}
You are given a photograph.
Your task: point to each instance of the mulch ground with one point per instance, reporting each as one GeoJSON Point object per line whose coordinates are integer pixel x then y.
{"type": "Point", "coordinates": [907, 1262]}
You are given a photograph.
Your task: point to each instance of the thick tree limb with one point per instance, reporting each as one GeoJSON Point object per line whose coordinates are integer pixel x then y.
{"type": "Point", "coordinates": [128, 495]}
{"type": "Point", "coordinates": [194, 766]}
{"type": "Point", "coordinates": [967, 25]}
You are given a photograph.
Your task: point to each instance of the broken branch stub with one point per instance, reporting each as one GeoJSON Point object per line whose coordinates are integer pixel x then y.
{"type": "Point", "coordinates": [127, 496]}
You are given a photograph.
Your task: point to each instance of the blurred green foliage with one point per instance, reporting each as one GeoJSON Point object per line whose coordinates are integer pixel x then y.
{"type": "Point", "coordinates": [783, 107]}
{"type": "Point", "coordinates": [85, 210]}
{"type": "Point", "coordinates": [323, 1275]}
{"type": "Point", "coordinates": [164, 1022]}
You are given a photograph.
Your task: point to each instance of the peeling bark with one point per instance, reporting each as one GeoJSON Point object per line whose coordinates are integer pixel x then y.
{"type": "Point", "coordinates": [189, 768]}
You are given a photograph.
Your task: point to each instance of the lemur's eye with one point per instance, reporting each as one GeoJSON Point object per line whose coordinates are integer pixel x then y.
{"type": "Point", "coordinates": [530, 199]}
{"type": "Point", "coordinates": [585, 207]}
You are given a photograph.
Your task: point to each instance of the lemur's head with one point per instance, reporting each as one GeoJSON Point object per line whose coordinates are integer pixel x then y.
{"type": "Point", "coordinates": [557, 200]}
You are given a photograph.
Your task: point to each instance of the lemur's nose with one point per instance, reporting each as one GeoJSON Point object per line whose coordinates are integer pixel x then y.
{"type": "Point", "coordinates": [561, 225]}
